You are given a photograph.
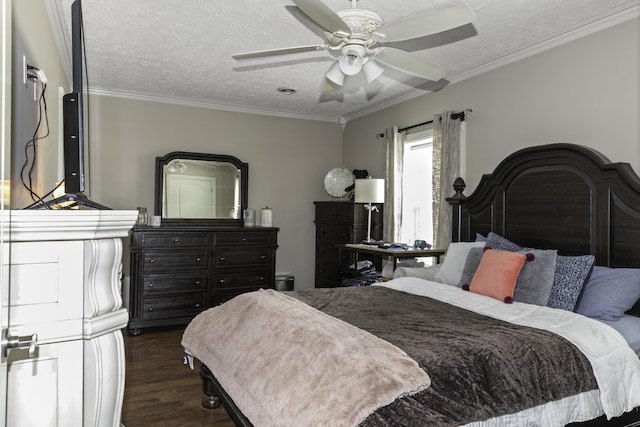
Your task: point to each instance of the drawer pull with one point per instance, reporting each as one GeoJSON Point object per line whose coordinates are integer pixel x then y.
{"type": "Point", "coordinates": [243, 240]}
{"type": "Point", "coordinates": [197, 283]}
{"type": "Point", "coordinates": [150, 308]}
{"type": "Point", "coordinates": [152, 261]}
{"type": "Point", "coordinates": [176, 240]}
{"type": "Point", "coordinates": [263, 257]}
{"type": "Point", "coordinates": [151, 285]}
{"type": "Point", "coordinates": [222, 259]}
{"type": "Point", "coordinates": [199, 259]}
{"type": "Point", "coordinates": [261, 279]}
{"type": "Point", "coordinates": [198, 305]}
{"type": "Point", "coordinates": [221, 281]}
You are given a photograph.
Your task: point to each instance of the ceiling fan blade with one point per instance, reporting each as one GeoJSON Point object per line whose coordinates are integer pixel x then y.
{"type": "Point", "coordinates": [323, 16]}
{"type": "Point", "coordinates": [274, 52]}
{"type": "Point", "coordinates": [410, 63]}
{"type": "Point", "coordinates": [427, 23]}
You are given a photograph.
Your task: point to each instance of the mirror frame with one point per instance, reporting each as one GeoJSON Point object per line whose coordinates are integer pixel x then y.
{"type": "Point", "coordinates": [244, 187]}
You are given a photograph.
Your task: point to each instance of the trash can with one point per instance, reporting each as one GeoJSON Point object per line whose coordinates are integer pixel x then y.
{"type": "Point", "coordinates": [284, 282]}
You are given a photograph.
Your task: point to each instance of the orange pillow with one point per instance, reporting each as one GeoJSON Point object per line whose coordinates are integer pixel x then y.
{"type": "Point", "coordinates": [497, 274]}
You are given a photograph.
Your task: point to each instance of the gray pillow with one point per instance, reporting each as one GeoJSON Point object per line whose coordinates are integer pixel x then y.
{"type": "Point", "coordinates": [570, 275]}
{"type": "Point", "coordinates": [534, 281]}
{"type": "Point", "coordinates": [610, 292]}
{"type": "Point", "coordinates": [471, 265]}
{"type": "Point", "coordinates": [451, 270]}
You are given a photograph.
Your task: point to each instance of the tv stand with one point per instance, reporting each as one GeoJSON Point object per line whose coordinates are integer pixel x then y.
{"type": "Point", "coordinates": [77, 199]}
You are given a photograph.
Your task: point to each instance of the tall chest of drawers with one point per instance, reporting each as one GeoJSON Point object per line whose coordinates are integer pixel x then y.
{"type": "Point", "coordinates": [339, 222]}
{"type": "Point", "coordinates": [177, 272]}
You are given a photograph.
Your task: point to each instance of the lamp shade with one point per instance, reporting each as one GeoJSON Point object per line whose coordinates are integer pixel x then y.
{"type": "Point", "coordinates": [335, 74]}
{"type": "Point", "coordinates": [371, 70]}
{"type": "Point", "coordinates": [369, 190]}
{"type": "Point", "coordinates": [350, 64]}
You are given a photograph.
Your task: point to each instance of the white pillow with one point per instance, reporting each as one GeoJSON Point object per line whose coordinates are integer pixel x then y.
{"type": "Point", "coordinates": [451, 270]}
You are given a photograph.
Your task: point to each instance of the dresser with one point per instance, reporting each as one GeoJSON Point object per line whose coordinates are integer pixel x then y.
{"type": "Point", "coordinates": [178, 271]}
{"type": "Point", "coordinates": [340, 222]}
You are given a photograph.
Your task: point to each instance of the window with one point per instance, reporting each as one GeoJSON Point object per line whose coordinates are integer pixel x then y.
{"type": "Point", "coordinates": [417, 223]}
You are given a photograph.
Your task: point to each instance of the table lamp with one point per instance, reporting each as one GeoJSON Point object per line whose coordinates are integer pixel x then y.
{"type": "Point", "coordinates": [369, 191]}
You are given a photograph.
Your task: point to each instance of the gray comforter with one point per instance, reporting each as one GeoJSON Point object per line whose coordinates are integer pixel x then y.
{"type": "Point", "coordinates": [480, 367]}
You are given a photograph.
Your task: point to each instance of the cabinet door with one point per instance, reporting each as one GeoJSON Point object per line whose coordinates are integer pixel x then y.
{"type": "Point", "coordinates": [52, 397]}
{"type": "Point", "coordinates": [46, 297]}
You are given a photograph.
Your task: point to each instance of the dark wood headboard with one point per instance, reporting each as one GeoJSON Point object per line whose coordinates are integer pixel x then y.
{"type": "Point", "coordinates": [561, 196]}
{"type": "Point", "coordinates": [557, 196]}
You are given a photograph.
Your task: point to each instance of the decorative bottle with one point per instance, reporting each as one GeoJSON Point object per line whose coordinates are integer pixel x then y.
{"type": "Point", "coordinates": [142, 216]}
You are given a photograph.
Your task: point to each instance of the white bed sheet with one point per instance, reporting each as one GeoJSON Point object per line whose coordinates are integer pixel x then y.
{"type": "Point", "coordinates": [616, 367]}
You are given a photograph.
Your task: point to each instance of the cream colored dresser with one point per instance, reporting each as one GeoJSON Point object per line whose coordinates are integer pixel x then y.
{"type": "Point", "coordinates": [64, 286]}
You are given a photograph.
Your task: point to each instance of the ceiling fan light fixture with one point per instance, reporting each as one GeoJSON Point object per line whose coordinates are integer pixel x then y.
{"type": "Point", "coordinates": [335, 74]}
{"type": "Point", "coordinates": [371, 70]}
{"type": "Point", "coordinates": [350, 63]}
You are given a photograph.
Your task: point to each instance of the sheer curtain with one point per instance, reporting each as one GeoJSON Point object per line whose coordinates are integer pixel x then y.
{"type": "Point", "coordinates": [393, 154]}
{"type": "Point", "coordinates": [446, 168]}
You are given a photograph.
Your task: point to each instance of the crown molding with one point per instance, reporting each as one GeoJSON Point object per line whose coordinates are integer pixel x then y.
{"type": "Point", "coordinates": [598, 23]}
{"type": "Point", "coordinates": [211, 105]}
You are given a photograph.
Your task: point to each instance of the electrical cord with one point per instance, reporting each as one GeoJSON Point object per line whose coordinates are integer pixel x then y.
{"type": "Point", "coordinates": [41, 200]}
{"type": "Point", "coordinates": [31, 145]}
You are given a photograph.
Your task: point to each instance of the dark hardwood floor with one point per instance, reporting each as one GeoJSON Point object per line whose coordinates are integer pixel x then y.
{"type": "Point", "coordinates": [159, 389]}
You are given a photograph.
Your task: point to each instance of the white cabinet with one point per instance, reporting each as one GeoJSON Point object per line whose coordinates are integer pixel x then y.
{"type": "Point", "coordinates": [64, 285]}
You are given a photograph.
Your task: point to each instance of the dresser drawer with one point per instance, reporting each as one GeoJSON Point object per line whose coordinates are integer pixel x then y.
{"type": "Point", "coordinates": [328, 267]}
{"type": "Point", "coordinates": [248, 258]}
{"type": "Point", "coordinates": [176, 307]}
{"type": "Point", "coordinates": [222, 296]}
{"type": "Point", "coordinates": [333, 233]}
{"type": "Point", "coordinates": [169, 260]}
{"type": "Point", "coordinates": [169, 240]}
{"type": "Point", "coordinates": [328, 253]}
{"type": "Point", "coordinates": [335, 212]}
{"type": "Point", "coordinates": [156, 284]}
{"type": "Point", "coordinates": [245, 238]}
{"type": "Point", "coordinates": [243, 279]}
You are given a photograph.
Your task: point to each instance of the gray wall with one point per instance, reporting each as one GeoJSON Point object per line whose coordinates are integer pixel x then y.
{"type": "Point", "coordinates": [32, 38]}
{"type": "Point", "coordinates": [288, 159]}
{"type": "Point", "coordinates": [586, 92]}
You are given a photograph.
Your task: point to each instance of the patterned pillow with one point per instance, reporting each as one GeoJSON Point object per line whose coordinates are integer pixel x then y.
{"type": "Point", "coordinates": [496, 241]}
{"type": "Point", "coordinates": [570, 275]}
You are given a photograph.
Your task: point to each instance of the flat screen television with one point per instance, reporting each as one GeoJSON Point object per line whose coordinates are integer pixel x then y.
{"type": "Point", "coordinates": [73, 111]}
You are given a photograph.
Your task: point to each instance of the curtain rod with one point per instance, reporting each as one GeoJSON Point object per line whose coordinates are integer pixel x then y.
{"type": "Point", "coordinates": [461, 115]}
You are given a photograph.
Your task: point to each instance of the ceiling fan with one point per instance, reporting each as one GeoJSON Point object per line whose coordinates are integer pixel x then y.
{"type": "Point", "coordinates": [358, 37]}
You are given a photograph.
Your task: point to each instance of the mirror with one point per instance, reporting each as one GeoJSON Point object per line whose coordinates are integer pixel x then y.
{"type": "Point", "coordinates": [201, 188]}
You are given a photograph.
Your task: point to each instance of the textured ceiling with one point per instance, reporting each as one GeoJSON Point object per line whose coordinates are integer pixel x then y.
{"type": "Point", "coordinates": [180, 50]}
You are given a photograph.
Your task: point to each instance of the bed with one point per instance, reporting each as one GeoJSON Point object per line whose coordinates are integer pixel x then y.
{"type": "Point", "coordinates": [453, 350]}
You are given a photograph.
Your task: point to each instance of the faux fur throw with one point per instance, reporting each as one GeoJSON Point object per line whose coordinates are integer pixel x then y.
{"type": "Point", "coordinates": [279, 361]}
